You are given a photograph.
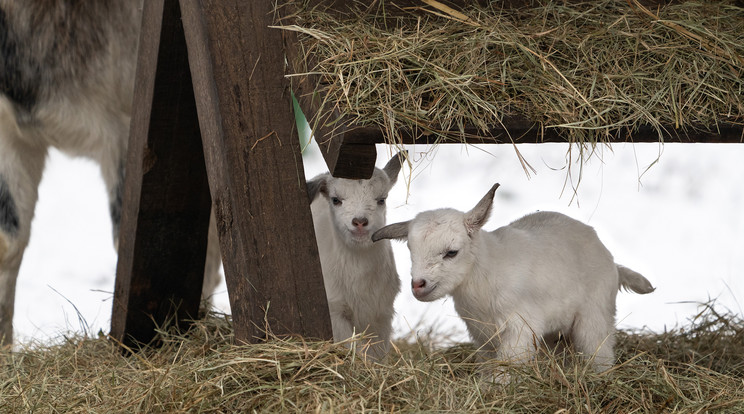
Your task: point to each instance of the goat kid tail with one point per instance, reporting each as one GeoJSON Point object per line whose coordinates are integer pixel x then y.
{"type": "Point", "coordinates": [633, 281]}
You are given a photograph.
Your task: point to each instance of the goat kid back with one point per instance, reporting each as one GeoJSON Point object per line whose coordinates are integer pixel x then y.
{"type": "Point", "coordinates": [360, 277]}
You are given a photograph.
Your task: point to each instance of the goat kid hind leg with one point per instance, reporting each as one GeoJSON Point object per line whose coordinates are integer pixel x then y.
{"type": "Point", "coordinates": [21, 166]}
{"type": "Point", "coordinates": [593, 336]}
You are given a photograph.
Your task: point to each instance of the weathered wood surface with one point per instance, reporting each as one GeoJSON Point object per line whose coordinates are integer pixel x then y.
{"type": "Point", "coordinates": [165, 215]}
{"type": "Point", "coordinates": [354, 146]}
{"type": "Point", "coordinates": [255, 169]}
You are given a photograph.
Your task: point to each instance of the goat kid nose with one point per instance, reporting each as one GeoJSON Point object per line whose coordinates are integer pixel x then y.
{"type": "Point", "coordinates": [359, 222]}
{"type": "Point", "coordinates": [417, 284]}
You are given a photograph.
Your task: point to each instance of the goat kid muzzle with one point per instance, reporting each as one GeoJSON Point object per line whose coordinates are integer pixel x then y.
{"type": "Point", "coordinates": [359, 228]}
{"type": "Point", "coordinates": [422, 288]}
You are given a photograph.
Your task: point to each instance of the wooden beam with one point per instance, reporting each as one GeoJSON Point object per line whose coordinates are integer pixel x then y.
{"type": "Point", "coordinates": [353, 150]}
{"type": "Point", "coordinates": [255, 169]}
{"type": "Point", "coordinates": [520, 130]}
{"type": "Point", "coordinates": [165, 215]}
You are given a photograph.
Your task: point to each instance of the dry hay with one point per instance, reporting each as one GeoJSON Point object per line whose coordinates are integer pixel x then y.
{"type": "Point", "coordinates": [589, 70]}
{"type": "Point", "coordinates": [693, 369]}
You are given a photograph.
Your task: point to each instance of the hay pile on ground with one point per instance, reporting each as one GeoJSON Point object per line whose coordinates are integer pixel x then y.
{"type": "Point", "coordinates": [695, 369]}
{"type": "Point", "coordinates": [588, 70]}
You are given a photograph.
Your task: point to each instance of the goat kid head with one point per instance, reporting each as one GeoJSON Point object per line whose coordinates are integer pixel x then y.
{"type": "Point", "coordinates": [441, 245]}
{"type": "Point", "coordinates": [358, 207]}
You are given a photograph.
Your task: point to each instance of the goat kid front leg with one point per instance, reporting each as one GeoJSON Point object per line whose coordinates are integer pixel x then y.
{"type": "Point", "coordinates": [21, 166]}
{"type": "Point", "coordinates": [379, 345]}
{"type": "Point", "coordinates": [341, 315]}
{"type": "Point", "coordinates": [517, 346]}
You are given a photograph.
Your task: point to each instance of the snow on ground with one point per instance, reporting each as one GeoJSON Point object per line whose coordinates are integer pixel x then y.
{"type": "Point", "coordinates": [680, 223]}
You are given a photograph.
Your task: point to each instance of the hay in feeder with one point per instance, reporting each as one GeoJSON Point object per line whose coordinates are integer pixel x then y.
{"type": "Point", "coordinates": [592, 71]}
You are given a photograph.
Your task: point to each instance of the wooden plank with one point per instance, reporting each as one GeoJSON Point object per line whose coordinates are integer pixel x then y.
{"type": "Point", "coordinates": [166, 206]}
{"type": "Point", "coordinates": [520, 130]}
{"type": "Point", "coordinates": [255, 169]}
{"type": "Point", "coordinates": [354, 149]}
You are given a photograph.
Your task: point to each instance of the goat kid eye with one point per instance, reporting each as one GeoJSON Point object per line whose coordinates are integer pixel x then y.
{"type": "Point", "coordinates": [381, 202]}
{"type": "Point", "coordinates": [450, 254]}
{"type": "Point", "coordinates": [336, 201]}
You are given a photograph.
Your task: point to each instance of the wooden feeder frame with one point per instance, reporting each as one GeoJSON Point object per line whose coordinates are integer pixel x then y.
{"type": "Point", "coordinates": [212, 126]}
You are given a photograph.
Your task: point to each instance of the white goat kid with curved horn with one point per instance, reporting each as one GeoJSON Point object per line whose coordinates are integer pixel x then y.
{"type": "Point", "coordinates": [360, 278]}
{"type": "Point", "coordinates": [543, 274]}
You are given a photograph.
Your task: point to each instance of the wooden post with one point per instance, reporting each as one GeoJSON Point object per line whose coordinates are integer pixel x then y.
{"type": "Point", "coordinates": [255, 174]}
{"type": "Point", "coordinates": [165, 215]}
{"type": "Point", "coordinates": [255, 169]}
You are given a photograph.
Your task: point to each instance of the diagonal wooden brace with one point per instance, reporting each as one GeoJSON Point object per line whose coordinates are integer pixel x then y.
{"type": "Point", "coordinates": [166, 203]}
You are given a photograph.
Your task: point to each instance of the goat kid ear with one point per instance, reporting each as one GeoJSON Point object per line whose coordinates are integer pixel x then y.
{"type": "Point", "coordinates": [392, 168]}
{"type": "Point", "coordinates": [477, 217]}
{"type": "Point", "coordinates": [317, 185]}
{"type": "Point", "coordinates": [397, 231]}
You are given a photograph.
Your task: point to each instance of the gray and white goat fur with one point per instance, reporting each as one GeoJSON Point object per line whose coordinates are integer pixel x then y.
{"type": "Point", "coordinates": [66, 81]}
{"type": "Point", "coordinates": [360, 277]}
{"type": "Point", "coordinates": [521, 284]}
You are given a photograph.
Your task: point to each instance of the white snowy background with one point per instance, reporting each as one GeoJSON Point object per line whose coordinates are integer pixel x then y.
{"type": "Point", "coordinates": [679, 222]}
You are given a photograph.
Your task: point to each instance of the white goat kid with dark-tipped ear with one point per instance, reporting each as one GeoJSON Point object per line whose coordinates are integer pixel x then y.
{"type": "Point", "coordinates": [360, 278]}
{"type": "Point", "coordinates": [519, 284]}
